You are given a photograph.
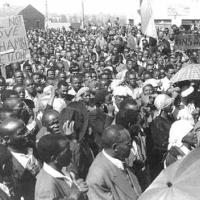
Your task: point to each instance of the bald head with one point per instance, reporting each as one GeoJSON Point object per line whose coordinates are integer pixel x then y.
{"type": "Point", "coordinates": [48, 116]}
{"type": "Point", "coordinates": [114, 134]}
{"type": "Point", "coordinates": [11, 102]}
{"type": "Point", "coordinates": [11, 126]}
{"type": "Point", "coordinates": [14, 104]}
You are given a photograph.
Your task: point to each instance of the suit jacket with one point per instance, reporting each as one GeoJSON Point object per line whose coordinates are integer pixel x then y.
{"type": "Point", "coordinates": [107, 182]}
{"type": "Point", "coordinates": [50, 188]}
{"type": "Point", "coordinates": [20, 182]}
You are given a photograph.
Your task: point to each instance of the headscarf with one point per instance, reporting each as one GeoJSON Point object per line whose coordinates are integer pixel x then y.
{"type": "Point", "coordinates": [162, 101]}
{"type": "Point", "coordinates": [80, 93]}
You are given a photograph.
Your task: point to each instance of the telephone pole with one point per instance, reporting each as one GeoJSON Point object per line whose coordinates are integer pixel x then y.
{"type": "Point", "coordinates": [83, 14]}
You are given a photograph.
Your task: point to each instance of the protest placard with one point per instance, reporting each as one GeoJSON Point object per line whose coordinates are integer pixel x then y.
{"type": "Point", "coordinates": [189, 41]}
{"type": "Point", "coordinates": [13, 40]}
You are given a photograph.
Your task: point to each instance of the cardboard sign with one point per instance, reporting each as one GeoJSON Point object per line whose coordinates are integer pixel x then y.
{"type": "Point", "coordinates": [13, 40]}
{"type": "Point", "coordinates": [184, 42]}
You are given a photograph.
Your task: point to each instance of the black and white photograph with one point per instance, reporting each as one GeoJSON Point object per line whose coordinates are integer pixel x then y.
{"type": "Point", "coordinates": [100, 100]}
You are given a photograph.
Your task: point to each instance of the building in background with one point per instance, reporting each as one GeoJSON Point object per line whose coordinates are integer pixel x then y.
{"type": "Point", "coordinates": [33, 19]}
{"type": "Point", "coordinates": [179, 12]}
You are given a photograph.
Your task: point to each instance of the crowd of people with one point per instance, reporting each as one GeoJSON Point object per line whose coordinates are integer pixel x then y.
{"type": "Point", "coordinates": [94, 115]}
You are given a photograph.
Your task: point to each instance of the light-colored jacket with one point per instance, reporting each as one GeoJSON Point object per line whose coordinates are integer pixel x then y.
{"type": "Point", "coordinates": [107, 182]}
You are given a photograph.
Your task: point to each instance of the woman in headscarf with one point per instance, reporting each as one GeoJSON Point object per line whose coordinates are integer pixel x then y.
{"type": "Point", "coordinates": [179, 129]}
{"type": "Point", "coordinates": [160, 132]}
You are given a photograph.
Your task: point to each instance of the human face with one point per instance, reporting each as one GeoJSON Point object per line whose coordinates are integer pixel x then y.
{"type": "Point", "coordinates": [2, 85]}
{"type": "Point", "coordinates": [63, 53]}
{"type": "Point", "coordinates": [160, 35]}
{"type": "Point", "coordinates": [132, 80]}
{"type": "Point", "coordinates": [40, 69]}
{"type": "Point", "coordinates": [115, 51]}
{"type": "Point", "coordinates": [162, 73]}
{"type": "Point", "coordinates": [51, 74]}
{"type": "Point", "coordinates": [43, 60]}
{"type": "Point", "coordinates": [62, 76]}
{"type": "Point", "coordinates": [140, 55]}
{"type": "Point", "coordinates": [19, 77]}
{"type": "Point", "coordinates": [86, 97]}
{"type": "Point", "coordinates": [145, 54]}
{"type": "Point", "coordinates": [130, 65]}
{"type": "Point", "coordinates": [63, 91]}
{"type": "Point", "coordinates": [87, 66]}
{"type": "Point", "coordinates": [156, 74]}
{"type": "Point", "coordinates": [160, 61]}
{"type": "Point", "coordinates": [19, 139]}
{"type": "Point", "coordinates": [35, 57]}
{"type": "Point", "coordinates": [94, 76]}
{"type": "Point", "coordinates": [28, 69]}
{"type": "Point", "coordinates": [37, 79]}
{"type": "Point", "coordinates": [30, 86]}
{"type": "Point", "coordinates": [150, 68]}
{"type": "Point", "coordinates": [148, 90]}
{"type": "Point", "coordinates": [21, 92]}
{"type": "Point", "coordinates": [53, 124]}
{"type": "Point", "coordinates": [76, 83]}
{"type": "Point", "coordinates": [170, 73]}
{"type": "Point", "coordinates": [88, 76]}
{"type": "Point", "coordinates": [123, 147]}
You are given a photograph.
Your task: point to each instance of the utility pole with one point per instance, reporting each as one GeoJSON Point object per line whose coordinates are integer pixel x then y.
{"type": "Point", "coordinates": [83, 14]}
{"type": "Point", "coordinates": [46, 6]}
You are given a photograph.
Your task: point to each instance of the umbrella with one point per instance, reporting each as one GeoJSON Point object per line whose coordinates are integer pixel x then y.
{"type": "Point", "coordinates": [187, 72]}
{"type": "Point", "coordinates": [180, 180]}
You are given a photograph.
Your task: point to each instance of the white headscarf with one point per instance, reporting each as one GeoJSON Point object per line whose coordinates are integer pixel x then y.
{"type": "Point", "coordinates": [162, 101]}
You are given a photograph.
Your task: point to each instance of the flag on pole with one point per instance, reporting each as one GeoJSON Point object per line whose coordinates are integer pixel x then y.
{"type": "Point", "coordinates": [147, 19]}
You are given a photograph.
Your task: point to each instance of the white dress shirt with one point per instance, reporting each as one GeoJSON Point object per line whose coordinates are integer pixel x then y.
{"type": "Point", "coordinates": [118, 163]}
{"type": "Point", "coordinates": [56, 174]}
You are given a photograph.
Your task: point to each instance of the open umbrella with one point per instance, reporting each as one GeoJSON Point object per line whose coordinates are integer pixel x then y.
{"type": "Point", "coordinates": [187, 72]}
{"type": "Point", "coordinates": [179, 181]}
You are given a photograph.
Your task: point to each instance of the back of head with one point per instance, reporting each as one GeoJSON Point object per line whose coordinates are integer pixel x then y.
{"type": "Point", "coordinates": [9, 126]}
{"type": "Point", "coordinates": [112, 135]}
{"type": "Point", "coordinates": [48, 146]}
{"type": "Point", "coordinates": [6, 113]}
{"type": "Point", "coordinates": [8, 94]}
{"type": "Point", "coordinates": [11, 102]}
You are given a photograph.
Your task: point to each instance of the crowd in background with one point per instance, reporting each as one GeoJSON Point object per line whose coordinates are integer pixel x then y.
{"type": "Point", "coordinates": [69, 104]}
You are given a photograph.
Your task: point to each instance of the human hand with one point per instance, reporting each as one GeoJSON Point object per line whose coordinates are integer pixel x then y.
{"type": "Point", "coordinates": [68, 127]}
{"type": "Point", "coordinates": [82, 185]}
{"type": "Point", "coordinates": [190, 139]}
{"type": "Point", "coordinates": [33, 167]}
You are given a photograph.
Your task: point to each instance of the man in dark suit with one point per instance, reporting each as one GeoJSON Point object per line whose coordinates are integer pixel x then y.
{"type": "Point", "coordinates": [22, 166]}
{"type": "Point", "coordinates": [109, 178]}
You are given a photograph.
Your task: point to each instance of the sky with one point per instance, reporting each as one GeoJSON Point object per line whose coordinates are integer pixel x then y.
{"type": "Point", "coordinates": [74, 6]}
{"type": "Point", "coordinates": [119, 7]}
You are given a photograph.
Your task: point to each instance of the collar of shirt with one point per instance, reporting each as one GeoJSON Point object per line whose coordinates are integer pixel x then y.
{"type": "Point", "coordinates": [118, 163]}
{"type": "Point", "coordinates": [23, 159]}
{"type": "Point", "coordinates": [56, 174]}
